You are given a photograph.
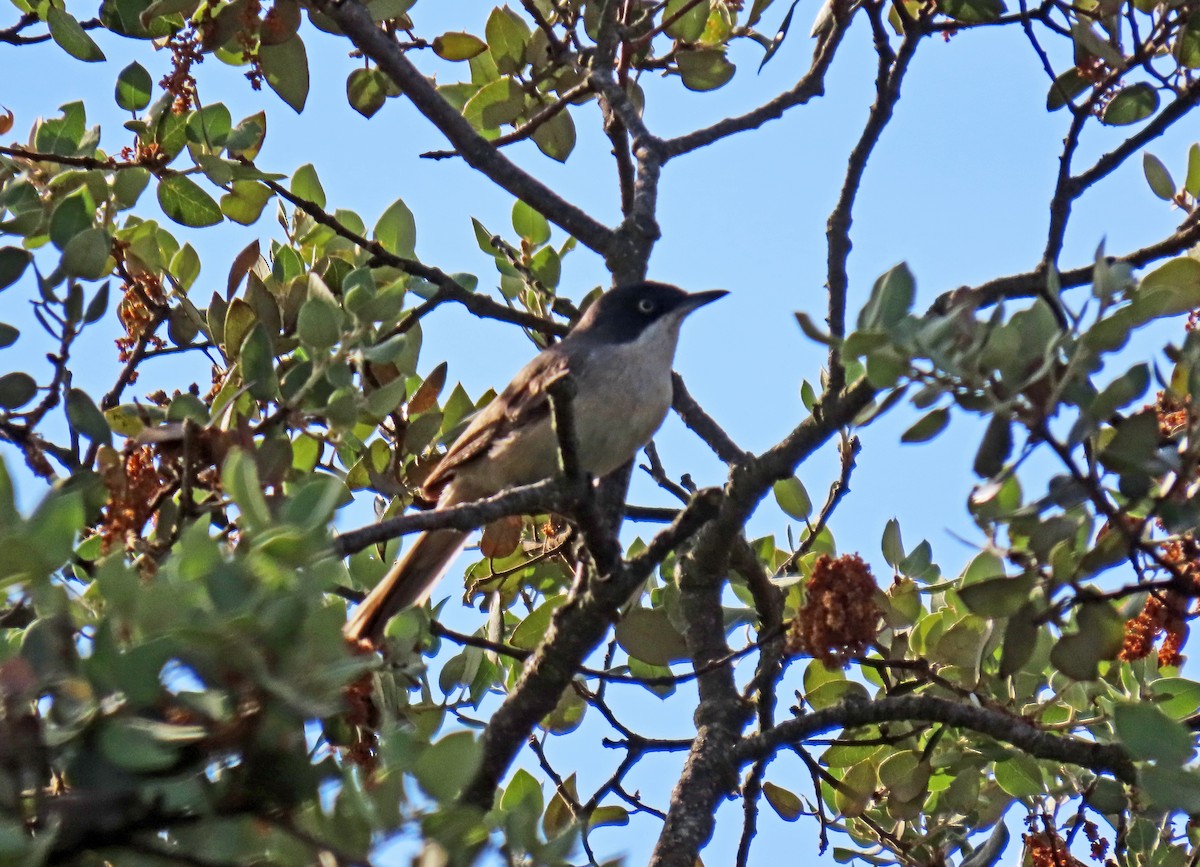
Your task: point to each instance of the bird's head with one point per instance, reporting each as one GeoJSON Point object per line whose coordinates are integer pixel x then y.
{"type": "Point", "coordinates": [624, 314]}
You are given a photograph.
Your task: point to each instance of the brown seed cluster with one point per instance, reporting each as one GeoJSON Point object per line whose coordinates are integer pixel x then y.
{"type": "Point", "coordinates": [1047, 849]}
{"type": "Point", "coordinates": [142, 291]}
{"type": "Point", "coordinates": [1166, 613]}
{"type": "Point", "coordinates": [840, 617]}
{"type": "Point", "coordinates": [133, 487]}
{"type": "Point", "coordinates": [185, 48]}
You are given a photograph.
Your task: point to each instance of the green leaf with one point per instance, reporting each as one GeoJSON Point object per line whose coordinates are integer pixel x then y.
{"type": "Point", "coordinates": [86, 255]}
{"type": "Point", "coordinates": [498, 103]}
{"type": "Point", "coordinates": [891, 299]}
{"type": "Point", "coordinates": [556, 137]}
{"type": "Point", "coordinates": [239, 477]}
{"type": "Point", "coordinates": [929, 426]}
{"type": "Point", "coordinates": [71, 36]}
{"type": "Point", "coordinates": [447, 766]}
{"type": "Point", "coordinates": [648, 634]}
{"type": "Point", "coordinates": [689, 26]}
{"type": "Point", "coordinates": [1192, 182]}
{"type": "Point", "coordinates": [133, 87]}
{"type": "Point", "coordinates": [258, 364]}
{"type": "Point", "coordinates": [246, 138]}
{"type": "Point", "coordinates": [1171, 788]}
{"type": "Point", "coordinates": [1151, 735]}
{"type": "Point", "coordinates": [307, 185]}
{"type": "Point", "coordinates": [893, 545]}
{"type": "Point", "coordinates": [1177, 697]}
{"type": "Point", "coordinates": [1169, 290]}
{"type": "Point", "coordinates": [13, 262]}
{"type": "Point", "coordinates": [209, 126]}
{"type": "Point", "coordinates": [1131, 104]}
{"type": "Point", "coordinates": [784, 802]}
{"type": "Point", "coordinates": [997, 597]}
{"type": "Point", "coordinates": [319, 324]}
{"type": "Point", "coordinates": [16, 390]}
{"type": "Point", "coordinates": [8, 335]}
{"type": "Point", "coordinates": [285, 66]}
{"type": "Point", "coordinates": [1121, 392]}
{"type": "Point", "coordinates": [367, 90]}
{"type": "Point", "coordinates": [458, 46]}
{"type": "Point", "coordinates": [995, 447]}
{"type": "Point", "coordinates": [973, 11]}
{"type": "Point", "coordinates": [705, 69]}
{"type": "Point", "coordinates": [62, 136]}
{"type": "Point", "coordinates": [507, 36]}
{"type": "Point", "coordinates": [128, 186]}
{"type": "Point", "coordinates": [1019, 776]}
{"type": "Point", "coordinates": [533, 228]}
{"type": "Point", "coordinates": [245, 201]}
{"type": "Point", "coordinates": [397, 230]}
{"type": "Point", "coordinates": [1065, 88]}
{"type": "Point", "coordinates": [792, 498]}
{"type": "Point", "coordinates": [532, 629]}
{"type": "Point", "coordinates": [184, 202]}
{"type": "Point", "coordinates": [85, 417]}
{"type": "Point", "coordinates": [1158, 177]}
{"type": "Point", "coordinates": [98, 306]}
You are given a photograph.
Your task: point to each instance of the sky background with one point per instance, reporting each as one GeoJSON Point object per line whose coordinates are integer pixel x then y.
{"type": "Point", "coordinates": [958, 187]}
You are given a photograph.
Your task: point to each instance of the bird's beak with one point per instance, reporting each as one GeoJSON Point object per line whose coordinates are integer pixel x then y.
{"type": "Point", "coordinates": [699, 299]}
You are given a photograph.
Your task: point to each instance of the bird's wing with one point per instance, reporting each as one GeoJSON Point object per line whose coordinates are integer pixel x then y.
{"type": "Point", "coordinates": [523, 402]}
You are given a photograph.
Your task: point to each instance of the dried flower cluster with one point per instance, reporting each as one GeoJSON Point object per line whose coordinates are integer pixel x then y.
{"type": "Point", "coordinates": [185, 48]}
{"type": "Point", "coordinates": [1047, 849]}
{"type": "Point", "coordinates": [840, 617]}
{"type": "Point", "coordinates": [133, 487]}
{"type": "Point", "coordinates": [142, 294]}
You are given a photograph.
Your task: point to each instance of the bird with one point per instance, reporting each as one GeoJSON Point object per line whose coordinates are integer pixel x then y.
{"type": "Point", "coordinates": [619, 357]}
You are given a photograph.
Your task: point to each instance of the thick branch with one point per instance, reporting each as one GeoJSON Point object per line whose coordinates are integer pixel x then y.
{"type": "Point", "coordinates": [578, 627]}
{"type": "Point", "coordinates": [1012, 730]}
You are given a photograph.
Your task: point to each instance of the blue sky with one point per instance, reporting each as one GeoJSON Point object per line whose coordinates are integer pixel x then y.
{"type": "Point", "coordinates": [958, 188]}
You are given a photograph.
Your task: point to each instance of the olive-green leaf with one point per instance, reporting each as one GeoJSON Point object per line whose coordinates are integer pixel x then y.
{"type": "Point", "coordinates": [1065, 88]}
{"type": "Point", "coordinates": [71, 37]}
{"type": "Point", "coordinates": [1157, 176]}
{"type": "Point", "coordinates": [184, 202]}
{"type": "Point", "coordinates": [507, 35]}
{"type": "Point", "coordinates": [556, 137]}
{"type": "Point", "coordinates": [13, 262]}
{"type": "Point", "coordinates": [688, 26]}
{"type": "Point", "coordinates": [133, 87]}
{"type": "Point", "coordinates": [307, 185]}
{"type": "Point", "coordinates": [447, 766]}
{"type": "Point", "coordinates": [245, 201]}
{"type": "Point", "coordinates": [927, 427]}
{"type": "Point", "coordinates": [1131, 104]}
{"type": "Point", "coordinates": [239, 476]}
{"type": "Point", "coordinates": [648, 634]}
{"type": "Point", "coordinates": [783, 801]}
{"type": "Point", "coordinates": [891, 299]}
{"type": "Point", "coordinates": [458, 46]}
{"type": "Point", "coordinates": [792, 498]}
{"type": "Point", "coordinates": [1151, 735]}
{"type": "Point", "coordinates": [285, 66]}
{"type": "Point", "coordinates": [533, 228]}
{"type": "Point", "coordinates": [86, 255]}
{"type": "Point", "coordinates": [397, 230]}
{"type": "Point", "coordinates": [892, 544]}
{"type": "Point", "coordinates": [85, 417]}
{"type": "Point", "coordinates": [706, 69]}
{"type": "Point", "coordinates": [16, 390]}
{"type": "Point", "coordinates": [366, 90]}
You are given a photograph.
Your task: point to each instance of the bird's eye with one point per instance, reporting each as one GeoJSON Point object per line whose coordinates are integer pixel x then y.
{"type": "Point", "coordinates": [646, 305]}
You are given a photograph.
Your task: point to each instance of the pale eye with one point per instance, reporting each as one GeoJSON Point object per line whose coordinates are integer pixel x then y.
{"type": "Point", "coordinates": [646, 305]}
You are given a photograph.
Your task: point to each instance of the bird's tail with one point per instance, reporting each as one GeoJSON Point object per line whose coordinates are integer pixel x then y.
{"type": "Point", "coordinates": [409, 582]}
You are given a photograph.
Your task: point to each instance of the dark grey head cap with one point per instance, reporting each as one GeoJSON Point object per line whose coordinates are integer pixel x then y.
{"type": "Point", "coordinates": [621, 314]}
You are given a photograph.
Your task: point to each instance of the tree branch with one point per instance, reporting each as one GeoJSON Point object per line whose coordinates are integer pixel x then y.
{"type": "Point", "coordinates": [356, 23]}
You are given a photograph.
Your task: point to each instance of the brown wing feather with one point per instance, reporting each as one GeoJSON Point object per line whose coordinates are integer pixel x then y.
{"type": "Point", "coordinates": [522, 402]}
